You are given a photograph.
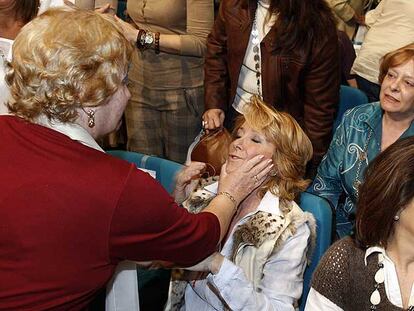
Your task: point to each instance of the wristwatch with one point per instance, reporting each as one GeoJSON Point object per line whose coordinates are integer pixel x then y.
{"type": "Point", "coordinates": [147, 40]}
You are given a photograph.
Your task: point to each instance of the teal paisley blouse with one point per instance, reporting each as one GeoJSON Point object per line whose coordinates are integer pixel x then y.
{"type": "Point", "coordinates": [356, 142]}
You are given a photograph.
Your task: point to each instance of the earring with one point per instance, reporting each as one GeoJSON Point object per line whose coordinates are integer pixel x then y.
{"type": "Point", "coordinates": [91, 117]}
{"type": "Point", "coordinates": [396, 218]}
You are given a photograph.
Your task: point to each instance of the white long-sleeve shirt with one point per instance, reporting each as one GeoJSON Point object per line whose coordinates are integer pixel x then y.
{"type": "Point", "coordinates": [281, 285]}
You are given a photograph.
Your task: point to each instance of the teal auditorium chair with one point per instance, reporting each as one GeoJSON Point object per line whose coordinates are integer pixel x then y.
{"type": "Point", "coordinates": [149, 281]}
{"type": "Point", "coordinates": [322, 211]}
{"type": "Point", "coordinates": [349, 97]}
{"type": "Point", "coordinates": [165, 169]}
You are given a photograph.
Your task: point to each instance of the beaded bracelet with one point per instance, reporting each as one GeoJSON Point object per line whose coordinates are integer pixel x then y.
{"type": "Point", "coordinates": [232, 199]}
{"type": "Point", "coordinates": [157, 43]}
{"type": "Point", "coordinates": [140, 34]}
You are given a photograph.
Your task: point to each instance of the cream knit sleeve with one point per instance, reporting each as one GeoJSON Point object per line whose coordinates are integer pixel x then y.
{"type": "Point", "coordinates": [200, 19]}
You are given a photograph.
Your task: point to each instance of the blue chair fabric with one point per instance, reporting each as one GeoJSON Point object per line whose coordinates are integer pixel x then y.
{"type": "Point", "coordinates": [165, 169]}
{"type": "Point", "coordinates": [349, 97]}
{"type": "Point", "coordinates": [322, 211]}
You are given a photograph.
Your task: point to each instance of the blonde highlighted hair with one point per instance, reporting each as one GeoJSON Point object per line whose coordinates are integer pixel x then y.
{"type": "Point", "coordinates": [66, 59]}
{"type": "Point", "coordinates": [293, 148]}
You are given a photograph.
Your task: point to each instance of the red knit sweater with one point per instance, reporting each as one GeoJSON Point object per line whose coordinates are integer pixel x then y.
{"type": "Point", "coordinates": [69, 214]}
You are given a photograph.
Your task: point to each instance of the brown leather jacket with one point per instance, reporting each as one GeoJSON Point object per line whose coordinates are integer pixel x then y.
{"type": "Point", "coordinates": [304, 83]}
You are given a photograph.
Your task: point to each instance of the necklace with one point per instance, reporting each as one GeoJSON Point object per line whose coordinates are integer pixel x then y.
{"type": "Point", "coordinates": [379, 278]}
{"type": "Point", "coordinates": [256, 51]}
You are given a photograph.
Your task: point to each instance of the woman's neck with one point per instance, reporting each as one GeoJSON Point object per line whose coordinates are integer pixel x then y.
{"type": "Point", "coordinates": [393, 126]}
{"type": "Point", "coordinates": [398, 120]}
{"type": "Point", "coordinates": [401, 252]}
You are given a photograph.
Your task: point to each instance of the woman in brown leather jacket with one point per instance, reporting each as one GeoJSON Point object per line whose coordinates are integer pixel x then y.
{"type": "Point", "coordinates": [283, 51]}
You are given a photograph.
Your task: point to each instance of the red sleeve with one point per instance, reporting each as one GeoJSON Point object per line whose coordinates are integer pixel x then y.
{"type": "Point", "coordinates": [148, 225]}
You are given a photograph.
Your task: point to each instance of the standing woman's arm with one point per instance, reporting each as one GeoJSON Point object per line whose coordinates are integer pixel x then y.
{"type": "Point", "coordinates": [200, 18]}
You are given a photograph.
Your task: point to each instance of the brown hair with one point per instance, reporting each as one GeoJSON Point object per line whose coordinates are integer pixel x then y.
{"type": "Point", "coordinates": [388, 188]}
{"type": "Point", "coordinates": [395, 58]}
{"type": "Point", "coordinates": [293, 148]}
{"type": "Point", "coordinates": [301, 21]}
{"type": "Point", "coordinates": [26, 10]}
{"type": "Point", "coordinates": [66, 59]}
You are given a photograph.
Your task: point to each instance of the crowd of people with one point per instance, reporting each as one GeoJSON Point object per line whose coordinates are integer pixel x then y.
{"type": "Point", "coordinates": [269, 71]}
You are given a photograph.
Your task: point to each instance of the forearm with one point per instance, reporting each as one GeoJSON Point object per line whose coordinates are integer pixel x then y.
{"type": "Point", "coordinates": [224, 209]}
{"type": "Point", "coordinates": [280, 286]}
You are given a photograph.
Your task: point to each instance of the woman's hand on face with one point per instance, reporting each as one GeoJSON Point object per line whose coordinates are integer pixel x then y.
{"type": "Point", "coordinates": [247, 177]}
{"type": "Point", "coordinates": [130, 32]}
{"type": "Point", "coordinates": [213, 119]}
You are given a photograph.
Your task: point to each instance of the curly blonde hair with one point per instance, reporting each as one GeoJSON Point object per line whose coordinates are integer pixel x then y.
{"type": "Point", "coordinates": [66, 59]}
{"type": "Point", "coordinates": [293, 148]}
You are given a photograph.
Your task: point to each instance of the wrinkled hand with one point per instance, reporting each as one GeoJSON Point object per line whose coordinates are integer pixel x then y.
{"type": "Point", "coordinates": [213, 119]}
{"type": "Point", "coordinates": [189, 172]}
{"type": "Point", "coordinates": [247, 177]}
{"type": "Point", "coordinates": [184, 177]}
{"type": "Point", "coordinates": [212, 263]}
{"type": "Point", "coordinates": [129, 31]}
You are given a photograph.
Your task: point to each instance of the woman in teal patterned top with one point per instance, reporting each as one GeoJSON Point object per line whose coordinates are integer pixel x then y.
{"type": "Point", "coordinates": [364, 132]}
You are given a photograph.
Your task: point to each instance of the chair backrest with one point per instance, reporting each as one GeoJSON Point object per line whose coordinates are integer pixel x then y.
{"type": "Point", "coordinates": [349, 97]}
{"type": "Point", "coordinates": [322, 211]}
{"type": "Point", "coordinates": [165, 169]}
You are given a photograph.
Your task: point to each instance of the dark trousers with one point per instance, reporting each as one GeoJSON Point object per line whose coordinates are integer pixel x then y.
{"type": "Point", "coordinates": [372, 90]}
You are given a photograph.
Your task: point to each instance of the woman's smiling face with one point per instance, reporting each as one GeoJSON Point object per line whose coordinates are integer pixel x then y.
{"type": "Point", "coordinates": [397, 90]}
{"type": "Point", "coordinates": [247, 144]}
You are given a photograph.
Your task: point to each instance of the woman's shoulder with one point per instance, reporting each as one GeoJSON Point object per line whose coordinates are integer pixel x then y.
{"type": "Point", "coordinates": [333, 269]}
{"type": "Point", "coordinates": [359, 111]}
{"type": "Point", "coordinates": [342, 248]}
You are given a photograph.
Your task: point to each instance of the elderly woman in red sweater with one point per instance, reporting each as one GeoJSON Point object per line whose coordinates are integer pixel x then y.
{"type": "Point", "coordinates": [69, 212]}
